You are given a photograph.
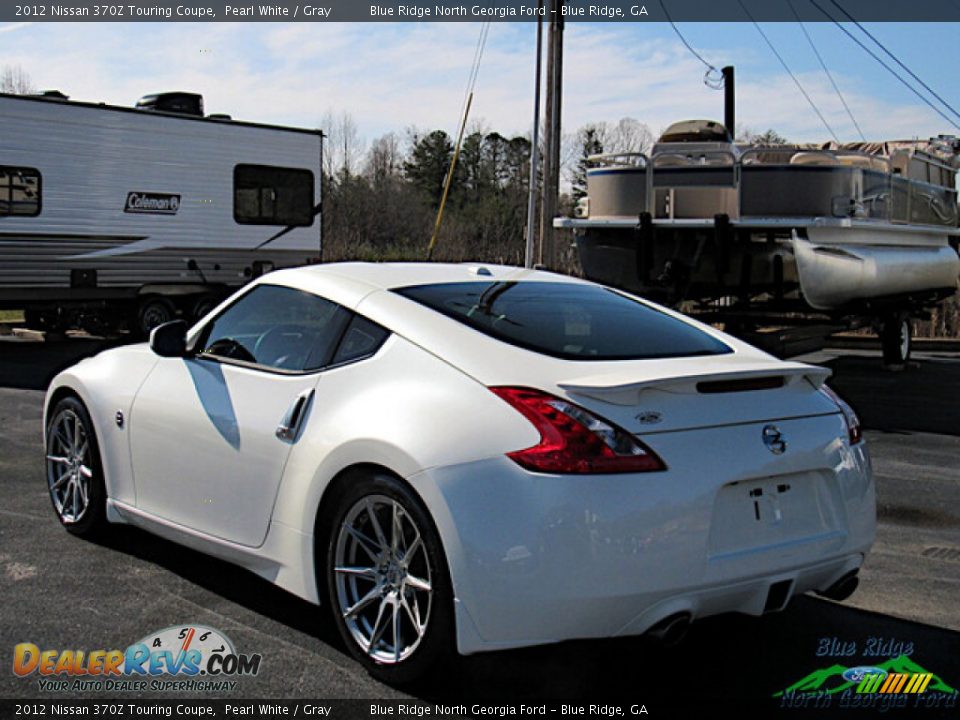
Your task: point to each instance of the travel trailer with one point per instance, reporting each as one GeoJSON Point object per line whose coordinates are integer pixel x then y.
{"type": "Point", "coordinates": [121, 216]}
{"type": "Point", "coordinates": [816, 238]}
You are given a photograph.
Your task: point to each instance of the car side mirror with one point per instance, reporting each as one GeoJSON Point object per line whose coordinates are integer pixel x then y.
{"type": "Point", "coordinates": [170, 339]}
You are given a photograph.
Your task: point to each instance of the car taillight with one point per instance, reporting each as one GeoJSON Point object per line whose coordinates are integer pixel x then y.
{"type": "Point", "coordinates": [853, 422]}
{"type": "Point", "coordinates": [574, 440]}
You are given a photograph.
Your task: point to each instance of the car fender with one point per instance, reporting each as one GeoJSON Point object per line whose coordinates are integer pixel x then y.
{"type": "Point", "coordinates": [107, 384]}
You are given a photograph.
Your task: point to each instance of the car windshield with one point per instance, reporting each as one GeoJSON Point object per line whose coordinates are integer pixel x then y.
{"type": "Point", "coordinates": [567, 320]}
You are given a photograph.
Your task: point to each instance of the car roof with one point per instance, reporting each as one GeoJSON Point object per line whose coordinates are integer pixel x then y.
{"type": "Point", "coordinates": [386, 276]}
{"type": "Point", "coordinates": [365, 288]}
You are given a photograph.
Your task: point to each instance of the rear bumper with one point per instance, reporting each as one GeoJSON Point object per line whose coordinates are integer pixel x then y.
{"type": "Point", "coordinates": [538, 558]}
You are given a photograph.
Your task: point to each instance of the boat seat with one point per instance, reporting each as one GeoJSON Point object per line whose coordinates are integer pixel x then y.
{"type": "Point", "coordinates": [814, 158]}
{"type": "Point", "coordinates": [865, 162]}
{"type": "Point", "coordinates": [843, 160]}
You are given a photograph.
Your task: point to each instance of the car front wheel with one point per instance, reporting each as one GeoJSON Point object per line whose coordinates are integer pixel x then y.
{"type": "Point", "coordinates": [74, 470]}
{"type": "Point", "coordinates": [387, 580]}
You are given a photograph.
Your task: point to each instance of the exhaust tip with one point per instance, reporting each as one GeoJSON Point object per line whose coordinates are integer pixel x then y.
{"type": "Point", "coordinates": [672, 629]}
{"type": "Point", "coordinates": [842, 588]}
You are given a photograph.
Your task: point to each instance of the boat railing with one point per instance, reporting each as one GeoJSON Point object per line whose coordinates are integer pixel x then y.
{"type": "Point", "coordinates": [866, 186]}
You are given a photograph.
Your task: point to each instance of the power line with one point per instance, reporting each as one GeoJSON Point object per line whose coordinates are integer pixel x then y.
{"type": "Point", "coordinates": [789, 72]}
{"type": "Point", "coordinates": [711, 82]}
{"type": "Point", "coordinates": [826, 71]}
{"type": "Point", "coordinates": [465, 112]}
{"type": "Point", "coordinates": [889, 69]}
{"type": "Point", "coordinates": [895, 58]}
{"type": "Point", "coordinates": [475, 66]}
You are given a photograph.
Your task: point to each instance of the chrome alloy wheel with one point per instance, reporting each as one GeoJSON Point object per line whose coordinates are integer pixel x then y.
{"type": "Point", "coordinates": [383, 579]}
{"type": "Point", "coordinates": [69, 466]}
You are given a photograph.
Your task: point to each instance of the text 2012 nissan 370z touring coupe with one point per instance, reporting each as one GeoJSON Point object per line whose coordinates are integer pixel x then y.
{"type": "Point", "coordinates": [479, 455]}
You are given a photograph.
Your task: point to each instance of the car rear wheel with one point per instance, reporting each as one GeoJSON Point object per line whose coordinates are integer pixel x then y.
{"type": "Point", "coordinates": [387, 580]}
{"type": "Point", "coordinates": [74, 470]}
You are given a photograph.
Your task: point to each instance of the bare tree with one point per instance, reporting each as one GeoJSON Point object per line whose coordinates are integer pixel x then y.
{"type": "Point", "coordinates": [384, 159]}
{"type": "Point", "coordinates": [629, 136]}
{"type": "Point", "coordinates": [768, 137]}
{"type": "Point", "coordinates": [15, 80]}
{"type": "Point", "coordinates": [344, 147]}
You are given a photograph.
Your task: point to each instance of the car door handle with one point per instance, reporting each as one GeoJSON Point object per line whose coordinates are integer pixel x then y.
{"type": "Point", "coordinates": [288, 427]}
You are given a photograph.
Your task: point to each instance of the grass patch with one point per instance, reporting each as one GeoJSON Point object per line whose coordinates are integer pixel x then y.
{"type": "Point", "coordinates": [11, 316]}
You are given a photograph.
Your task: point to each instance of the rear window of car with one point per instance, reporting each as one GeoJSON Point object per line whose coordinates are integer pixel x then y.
{"type": "Point", "coordinates": [566, 320]}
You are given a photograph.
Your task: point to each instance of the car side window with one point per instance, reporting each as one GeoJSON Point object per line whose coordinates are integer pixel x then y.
{"type": "Point", "coordinates": [362, 339]}
{"type": "Point", "coordinates": [276, 327]}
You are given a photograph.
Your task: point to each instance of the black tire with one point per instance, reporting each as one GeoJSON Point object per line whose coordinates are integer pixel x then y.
{"type": "Point", "coordinates": [436, 640]}
{"type": "Point", "coordinates": [47, 320]}
{"type": "Point", "coordinates": [33, 319]}
{"type": "Point", "coordinates": [153, 312]}
{"type": "Point", "coordinates": [896, 340]}
{"type": "Point", "coordinates": [66, 470]}
{"type": "Point", "coordinates": [203, 305]}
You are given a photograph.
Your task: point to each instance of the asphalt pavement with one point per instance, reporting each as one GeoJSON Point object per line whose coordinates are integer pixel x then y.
{"type": "Point", "coordinates": [62, 592]}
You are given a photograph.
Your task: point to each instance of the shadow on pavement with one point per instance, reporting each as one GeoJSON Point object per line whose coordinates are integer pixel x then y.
{"type": "Point", "coordinates": [921, 398]}
{"type": "Point", "coordinates": [733, 661]}
{"type": "Point", "coordinates": [32, 365]}
{"type": "Point", "coordinates": [730, 661]}
{"type": "Point", "coordinates": [229, 581]}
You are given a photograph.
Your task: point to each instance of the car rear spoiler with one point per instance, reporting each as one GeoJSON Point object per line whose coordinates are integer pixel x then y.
{"type": "Point", "coordinates": [623, 391]}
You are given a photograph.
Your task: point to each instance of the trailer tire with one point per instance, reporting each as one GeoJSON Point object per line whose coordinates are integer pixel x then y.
{"type": "Point", "coordinates": [203, 305]}
{"type": "Point", "coordinates": [33, 319]}
{"type": "Point", "coordinates": [152, 312]}
{"type": "Point", "coordinates": [895, 339]}
{"type": "Point", "coordinates": [47, 320]}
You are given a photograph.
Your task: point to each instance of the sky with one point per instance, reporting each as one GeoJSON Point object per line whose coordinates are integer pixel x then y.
{"type": "Point", "coordinates": [393, 76]}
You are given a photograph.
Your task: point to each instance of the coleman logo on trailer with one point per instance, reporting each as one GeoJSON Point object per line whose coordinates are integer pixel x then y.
{"type": "Point", "coordinates": [153, 203]}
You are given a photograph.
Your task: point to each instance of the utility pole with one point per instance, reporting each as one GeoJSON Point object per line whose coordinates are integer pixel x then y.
{"type": "Point", "coordinates": [551, 157]}
{"type": "Point", "coordinates": [534, 152]}
{"type": "Point", "coordinates": [729, 101]}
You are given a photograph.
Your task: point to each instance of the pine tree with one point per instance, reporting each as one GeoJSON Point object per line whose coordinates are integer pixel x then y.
{"type": "Point", "coordinates": [590, 144]}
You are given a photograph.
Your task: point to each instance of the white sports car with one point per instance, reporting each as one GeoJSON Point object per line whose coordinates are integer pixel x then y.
{"type": "Point", "coordinates": [476, 457]}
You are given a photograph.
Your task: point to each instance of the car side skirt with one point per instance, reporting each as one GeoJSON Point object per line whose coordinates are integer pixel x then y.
{"type": "Point", "coordinates": [266, 561]}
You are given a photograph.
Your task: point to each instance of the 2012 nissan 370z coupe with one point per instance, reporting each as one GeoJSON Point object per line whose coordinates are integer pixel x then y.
{"type": "Point", "coordinates": [470, 457]}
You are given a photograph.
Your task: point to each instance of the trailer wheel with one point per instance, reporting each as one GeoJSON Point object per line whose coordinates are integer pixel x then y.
{"type": "Point", "coordinates": [153, 312]}
{"type": "Point", "coordinates": [203, 305]}
{"type": "Point", "coordinates": [49, 321]}
{"type": "Point", "coordinates": [33, 319]}
{"type": "Point", "coordinates": [895, 339]}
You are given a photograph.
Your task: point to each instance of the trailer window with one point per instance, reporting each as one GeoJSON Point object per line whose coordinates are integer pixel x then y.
{"type": "Point", "coordinates": [19, 191]}
{"type": "Point", "coordinates": [265, 195]}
